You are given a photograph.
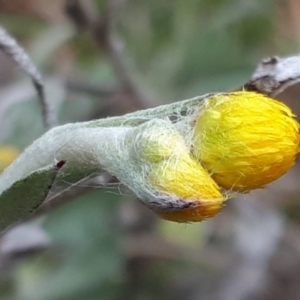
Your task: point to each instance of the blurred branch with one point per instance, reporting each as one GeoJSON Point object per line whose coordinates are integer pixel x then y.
{"type": "Point", "coordinates": [274, 75]}
{"type": "Point", "coordinates": [76, 86]}
{"type": "Point", "coordinates": [10, 47]}
{"type": "Point", "coordinates": [30, 237]}
{"type": "Point", "coordinates": [145, 246]}
{"type": "Point", "coordinates": [84, 16]}
{"type": "Point", "coordinates": [22, 241]}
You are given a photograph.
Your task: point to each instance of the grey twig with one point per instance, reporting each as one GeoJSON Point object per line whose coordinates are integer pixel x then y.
{"type": "Point", "coordinates": [10, 47]}
{"type": "Point", "coordinates": [274, 75]}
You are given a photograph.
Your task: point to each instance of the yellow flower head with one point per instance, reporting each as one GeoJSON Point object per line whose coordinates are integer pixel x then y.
{"type": "Point", "coordinates": [245, 139]}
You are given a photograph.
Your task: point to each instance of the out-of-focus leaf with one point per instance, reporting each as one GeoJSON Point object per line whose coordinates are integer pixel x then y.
{"type": "Point", "coordinates": [86, 261]}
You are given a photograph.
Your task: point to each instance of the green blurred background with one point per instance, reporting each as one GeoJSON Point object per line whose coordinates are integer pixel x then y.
{"type": "Point", "coordinates": [102, 58]}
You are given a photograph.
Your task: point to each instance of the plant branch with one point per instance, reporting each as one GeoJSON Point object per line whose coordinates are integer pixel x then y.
{"type": "Point", "coordinates": [11, 48]}
{"type": "Point", "coordinates": [274, 75]}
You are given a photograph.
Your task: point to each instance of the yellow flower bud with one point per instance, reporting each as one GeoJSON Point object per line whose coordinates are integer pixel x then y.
{"type": "Point", "coordinates": [160, 142]}
{"type": "Point", "coordinates": [184, 178]}
{"type": "Point", "coordinates": [181, 189]}
{"type": "Point", "coordinates": [245, 139]}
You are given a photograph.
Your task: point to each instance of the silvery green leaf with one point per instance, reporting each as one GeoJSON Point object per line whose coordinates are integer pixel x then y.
{"type": "Point", "coordinates": [25, 195]}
